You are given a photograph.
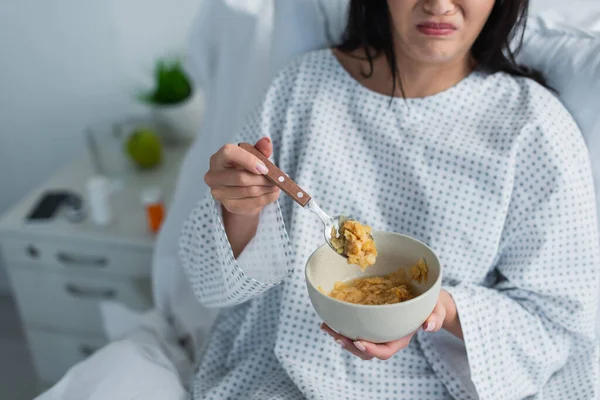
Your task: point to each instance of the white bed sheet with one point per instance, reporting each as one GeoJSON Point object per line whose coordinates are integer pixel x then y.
{"type": "Point", "coordinates": [144, 365]}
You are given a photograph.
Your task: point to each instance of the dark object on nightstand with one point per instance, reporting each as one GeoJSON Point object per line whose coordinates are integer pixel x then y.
{"type": "Point", "coordinates": [47, 206]}
{"type": "Point", "coordinates": [51, 202]}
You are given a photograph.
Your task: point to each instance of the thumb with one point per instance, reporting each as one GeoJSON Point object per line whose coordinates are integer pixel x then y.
{"type": "Point", "coordinates": [265, 146]}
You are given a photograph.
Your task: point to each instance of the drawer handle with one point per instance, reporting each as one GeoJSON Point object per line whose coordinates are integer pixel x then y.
{"type": "Point", "coordinates": [86, 350]}
{"type": "Point", "coordinates": [32, 251]}
{"type": "Point", "coordinates": [88, 293]}
{"type": "Point", "coordinates": [72, 261]}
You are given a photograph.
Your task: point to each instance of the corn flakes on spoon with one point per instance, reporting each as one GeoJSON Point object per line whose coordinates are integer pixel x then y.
{"type": "Point", "coordinates": [345, 235]}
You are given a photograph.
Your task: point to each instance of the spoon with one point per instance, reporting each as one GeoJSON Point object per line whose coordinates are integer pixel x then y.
{"type": "Point", "coordinates": [299, 195]}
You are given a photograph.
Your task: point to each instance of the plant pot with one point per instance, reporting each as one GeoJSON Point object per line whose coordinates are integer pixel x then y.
{"type": "Point", "coordinates": [179, 122]}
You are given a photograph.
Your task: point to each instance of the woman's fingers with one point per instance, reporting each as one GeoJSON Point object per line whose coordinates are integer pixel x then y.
{"type": "Point", "coordinates": [242, 192]}
{"type": "Point", "coordinates": [234, 177]}
{"type": "Point", "coordinates": [367, 350]}
{"type": "Point", "coordinates": [249, 206]}
{"type": "Point", "coordinates": [345, 343]}
{"type": "Point", "coordinates": [349, 346]}
{"type": "Point", "coordinates": [434, 322]}
{"type": "Point", "coordinates": [231, 155]}
{"type": "Point", "coordinates": [265, 146]}
{"type": "Point", "coordinates": [383, 351]}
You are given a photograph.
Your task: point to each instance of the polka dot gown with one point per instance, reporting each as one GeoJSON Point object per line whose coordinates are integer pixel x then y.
{"type": "Point", "coordinates": [492, 174]}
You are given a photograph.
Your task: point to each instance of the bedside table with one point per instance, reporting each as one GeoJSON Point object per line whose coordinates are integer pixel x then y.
{"type": "Point", "coordinates": [60, 270]}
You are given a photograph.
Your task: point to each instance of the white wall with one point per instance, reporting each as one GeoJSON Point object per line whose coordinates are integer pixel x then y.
{"type": "Point", "coordinates": [68, 63]}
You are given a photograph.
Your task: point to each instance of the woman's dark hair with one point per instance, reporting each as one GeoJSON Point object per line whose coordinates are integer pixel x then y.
{"type": "Point", "coordinates": [370, 27]}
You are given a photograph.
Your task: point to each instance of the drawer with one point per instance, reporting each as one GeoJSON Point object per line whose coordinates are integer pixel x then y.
{"type": "Point", "coordinates": [53, 354]}
{"type": "Point", "coordinates": [71, 304]}
{"type": "Point", "coordinates": [66, 255]}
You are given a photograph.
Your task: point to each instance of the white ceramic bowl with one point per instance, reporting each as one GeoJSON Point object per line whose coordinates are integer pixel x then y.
{"type": "Point", "coordinates": [381, 323]}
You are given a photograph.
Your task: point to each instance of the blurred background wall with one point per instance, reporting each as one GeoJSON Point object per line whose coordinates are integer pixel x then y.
{"type": "Point", "coordinates": [65, 64]}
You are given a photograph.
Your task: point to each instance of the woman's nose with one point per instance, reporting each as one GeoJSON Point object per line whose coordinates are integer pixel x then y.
{"type": "Point", "coordinates": [439, 7]}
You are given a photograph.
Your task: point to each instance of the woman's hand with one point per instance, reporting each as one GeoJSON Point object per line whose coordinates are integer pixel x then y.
{"type": "Point", "coordinates": [443, 315]}
{"type": "Point", "coordinates": [236, 179]}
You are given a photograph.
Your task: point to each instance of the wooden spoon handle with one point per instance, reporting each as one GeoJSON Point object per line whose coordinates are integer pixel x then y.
{"type": "Point", "coordinates": [280, 179]}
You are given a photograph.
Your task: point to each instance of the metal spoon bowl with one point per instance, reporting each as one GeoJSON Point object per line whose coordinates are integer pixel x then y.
{"type": "Point", "coordinates": [291, 188]}
{"type": "Point", "coordinates": [328, 223]}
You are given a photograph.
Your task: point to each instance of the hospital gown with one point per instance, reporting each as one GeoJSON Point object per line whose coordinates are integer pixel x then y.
{"type": "Point", "coordinates": [492, 174]}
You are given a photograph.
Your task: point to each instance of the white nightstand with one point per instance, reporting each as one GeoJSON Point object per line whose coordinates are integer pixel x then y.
{"type": "Point", "coordinates": [60, 271]}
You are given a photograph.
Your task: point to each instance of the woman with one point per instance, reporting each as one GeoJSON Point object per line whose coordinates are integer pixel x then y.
{"type": "Point", "coordinates": [419, 123]}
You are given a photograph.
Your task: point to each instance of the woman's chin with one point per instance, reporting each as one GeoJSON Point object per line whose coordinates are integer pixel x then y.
{"type": "Point", "coordinates": [435, 55]}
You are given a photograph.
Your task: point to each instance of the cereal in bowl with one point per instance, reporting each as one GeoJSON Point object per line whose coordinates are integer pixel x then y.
{"type": "Point", "coordinates": [378, 290]}
{"type": "Point", "coordinates": [355, 241]}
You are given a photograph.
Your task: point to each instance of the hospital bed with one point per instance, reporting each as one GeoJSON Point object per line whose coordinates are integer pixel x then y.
{"type": "Point", "coordinates": [562, 41]}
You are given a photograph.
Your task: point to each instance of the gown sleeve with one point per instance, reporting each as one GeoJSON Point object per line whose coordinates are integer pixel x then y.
{"type": "Point", "coordinates": [540, 313]}
{"type": "Point", "coordinates": [217, 278]}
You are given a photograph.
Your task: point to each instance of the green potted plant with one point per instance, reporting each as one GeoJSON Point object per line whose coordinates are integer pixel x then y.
{"type": "Point", "coordinates": [176, 107]}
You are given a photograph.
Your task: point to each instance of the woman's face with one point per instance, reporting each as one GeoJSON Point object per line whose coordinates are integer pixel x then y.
{"type": "Point", "coordinates": [438, 31]}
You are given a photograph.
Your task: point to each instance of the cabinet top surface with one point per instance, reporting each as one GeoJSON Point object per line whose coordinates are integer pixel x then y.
{"type": "Point", "coordinates": [128, 225]}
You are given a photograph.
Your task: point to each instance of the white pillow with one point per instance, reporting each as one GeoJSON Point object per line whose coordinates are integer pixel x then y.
{"type": "Point", "coordinates": [569, 58]}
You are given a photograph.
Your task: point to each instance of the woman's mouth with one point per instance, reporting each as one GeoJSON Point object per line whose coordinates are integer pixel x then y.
{"type": "Point", "coordinates": [436, 28]}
